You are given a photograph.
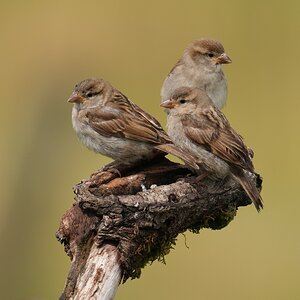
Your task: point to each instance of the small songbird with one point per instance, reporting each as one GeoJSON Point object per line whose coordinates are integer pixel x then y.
{"type": "Point", "coordinates": [200, 67]}
{"type": "Point", "coordinates": [107, 122]}
{"type": "Point", "coordinates": [197, 126]}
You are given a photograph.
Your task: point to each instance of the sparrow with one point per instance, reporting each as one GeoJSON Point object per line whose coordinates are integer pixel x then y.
{"type": "Point", "coordinates": [198, 127]}
{"type": "Point", "coordinates": [107, 122]}
{"type": "Point", "coordinates": [200, 67]}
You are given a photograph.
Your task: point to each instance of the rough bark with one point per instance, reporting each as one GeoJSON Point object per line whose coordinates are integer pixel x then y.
{"type": "Point", "coordinates": [134, 219]}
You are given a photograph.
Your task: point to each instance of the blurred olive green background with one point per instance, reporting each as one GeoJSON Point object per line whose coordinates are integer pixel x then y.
{"type": "Point", "coordinates": [48, 46]}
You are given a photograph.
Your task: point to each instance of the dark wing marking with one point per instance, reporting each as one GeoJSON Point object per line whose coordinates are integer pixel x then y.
{"type": "Point", "coordinates": [212, 130]}
{"type": "Point", "coordinates": [122, 118]}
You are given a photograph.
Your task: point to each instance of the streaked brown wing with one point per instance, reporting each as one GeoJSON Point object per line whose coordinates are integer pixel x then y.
{"type": "Point", "coordinates": [121, 98]}
{"type": "Point", "coordinates": [106, 123]}
{"type": "Point", "coordinates": [212, 130]}
{"type": "Point", "coordinates": [122, 118]}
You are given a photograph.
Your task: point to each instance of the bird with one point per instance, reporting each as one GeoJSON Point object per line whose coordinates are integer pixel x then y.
{"type": "Point", "coordinates": [200, 67]}
{"type": "Point", "coordinates": [107, 122]}
{"type": "Point", "coordinates": [198, 127]}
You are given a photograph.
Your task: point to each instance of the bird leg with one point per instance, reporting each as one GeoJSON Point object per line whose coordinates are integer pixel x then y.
{"type": "Point", "coordinates": [200, 178]}
{"type": "Point", "coordinates": [108, 172]}
{"type": "Point", "coordinates": [114, 167]}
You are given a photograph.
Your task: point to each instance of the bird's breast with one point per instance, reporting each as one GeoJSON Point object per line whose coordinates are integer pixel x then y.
{"type": "Point", "coordinates": [214, 83]}
{"type": "Point", "coordinates": [115, 147]}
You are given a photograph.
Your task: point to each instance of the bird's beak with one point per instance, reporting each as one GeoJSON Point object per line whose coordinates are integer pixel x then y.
{"type": "Point", "coordinates": [75, 98]}
{"type": "Point", "coordinates": [168, 104]}
{"type": "Point", "coordinates": [223, 59]}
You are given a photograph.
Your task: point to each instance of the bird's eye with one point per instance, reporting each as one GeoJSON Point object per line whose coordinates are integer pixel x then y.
{"type": "Point", "coordinates": [182, 101]}
{"type": "Point", "coordinates": [90, 94]}
{"type": "Point", "coordinates": [210, 54]}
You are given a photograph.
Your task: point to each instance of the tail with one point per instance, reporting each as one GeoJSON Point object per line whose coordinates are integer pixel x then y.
{"type": "Point", "coordinates": [186, 157]}
{"type": "Point", "coordinates": [249, 187]}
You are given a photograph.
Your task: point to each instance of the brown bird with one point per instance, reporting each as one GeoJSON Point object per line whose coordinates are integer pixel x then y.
{"type": "Point", "coordinates": [200, 128]}
{"type": "Point", "coordinates": [107, 122]}
{"type": "Point", "coordinates": [200, 67]}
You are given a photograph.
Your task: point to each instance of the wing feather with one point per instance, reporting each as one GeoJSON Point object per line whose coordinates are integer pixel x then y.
{"type": "Point", "coordinates": [122, 118]}
{"type": "Point", "coordinates": [211, 129]}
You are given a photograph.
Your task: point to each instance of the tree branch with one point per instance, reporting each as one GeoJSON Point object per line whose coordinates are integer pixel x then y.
{"type": "Point", "coordinates": [119, 224]}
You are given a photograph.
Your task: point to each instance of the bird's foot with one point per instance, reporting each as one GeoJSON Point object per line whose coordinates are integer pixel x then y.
{"type": "Point", "coordinates": [200, 178]}
{"type": "Point", "coordinates": [109, 172]}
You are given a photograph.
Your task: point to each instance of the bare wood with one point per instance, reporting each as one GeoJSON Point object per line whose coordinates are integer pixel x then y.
{"type": "Point", "coordinates": [119, 224]}
{"type": "Point", "coordinates": [101, 276]}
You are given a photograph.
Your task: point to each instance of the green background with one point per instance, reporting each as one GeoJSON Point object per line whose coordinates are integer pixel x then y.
{"type": "Point", "coordinates": [48, 46]}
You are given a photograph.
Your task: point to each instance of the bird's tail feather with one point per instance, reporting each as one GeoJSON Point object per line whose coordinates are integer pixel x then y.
{"type": "Point", "coordinates": [249, 187]}
{"type": "Point", "coordinates": [186, 157]}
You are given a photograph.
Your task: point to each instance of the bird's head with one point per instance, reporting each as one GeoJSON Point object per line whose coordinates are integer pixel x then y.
{"type": "Point", "coordinates": [208, 52]}
{"type": "Point", "coordinates": [89, 92]}
{"type": "Point", "coordinates": [186, 100]}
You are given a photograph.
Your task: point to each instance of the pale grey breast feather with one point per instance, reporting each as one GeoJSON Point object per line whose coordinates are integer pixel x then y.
{"type": "Point", "coordinates": [214, 83]}
{"type": "Point", "coordinates": [114, 147]}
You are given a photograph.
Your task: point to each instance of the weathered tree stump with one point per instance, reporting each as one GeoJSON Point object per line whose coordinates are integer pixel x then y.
{"type": "Point", "coordinates": [119, 224]}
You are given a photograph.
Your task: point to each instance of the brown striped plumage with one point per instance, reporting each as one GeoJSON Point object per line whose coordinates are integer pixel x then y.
{"type": "Point", "coordinates": [200, 67]}
{"type": "Point", "coordinates": [197, 126]}
{"type": "Point", "coordinates": [107, 122]}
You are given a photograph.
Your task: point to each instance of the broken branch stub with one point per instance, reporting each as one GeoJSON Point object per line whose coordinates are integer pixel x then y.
{"type": "Point", "coordinates": [141, 213]}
